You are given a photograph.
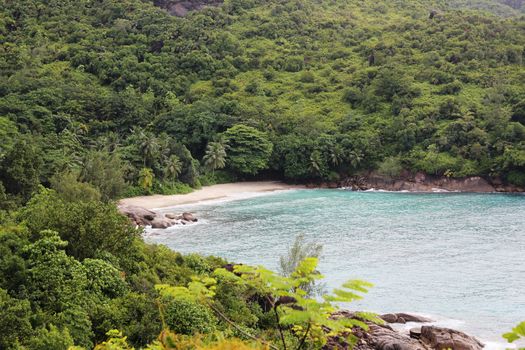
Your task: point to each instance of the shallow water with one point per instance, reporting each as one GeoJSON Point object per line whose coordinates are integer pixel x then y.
{"type": "Point", "coordinates": [459, 258]}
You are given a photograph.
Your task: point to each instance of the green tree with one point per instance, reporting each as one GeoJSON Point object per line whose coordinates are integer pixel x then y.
{"type": "Point", "coordinates": [215, 156]}
{"type": "Point", "coordinates": [105, 171]}
{"type": "Point", "coordinates": [70, 189]}
{"type": "Point", "coordinates": [296, 315]}
{"type": "Point", "coordinates": [15, 323]}
{"type": "Point", "coordinates": [172, 168]}
{"type": "Point", "coordinates": [390, 167]}
{"type": "Point", "coordinates": [21, 167]}
{"type": "Point", "coordinates": [300, 250]}
{"type": "Point", "coordinates": [90, 228]}
{"type": "Point", "coordinates": [51, 339]}
{"type": "Point", "coordinates": [148, 146]}
{"type": "Point", "coordinates": [249, 149]}
{"type": "Point", "coordinates": [146, 178]}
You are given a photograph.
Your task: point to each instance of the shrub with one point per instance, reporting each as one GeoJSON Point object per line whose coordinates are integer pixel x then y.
{"type": "Point", "coordinates": [70, 189]}
{"type": "Point", "coordinates": [187, 317]}
{"type": "Point", "coordinates": [391, 167]}
{"type": "Point", "coordinates": [352, 95]}
{"type": "Point", "coordinates": [516, 178]}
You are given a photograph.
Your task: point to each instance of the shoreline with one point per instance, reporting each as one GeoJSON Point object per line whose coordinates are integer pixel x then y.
{"type": "Point", "coordinates": [240, 190]}
{"type": "Point", "coordinates": [207, 193]}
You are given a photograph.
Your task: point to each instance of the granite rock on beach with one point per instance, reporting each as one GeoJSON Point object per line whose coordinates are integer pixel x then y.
{"type": "Point", "coordinates": [421, 182]}
{"type": "Point", "coordinates": [384, 337]}
{"type": "Point", "coordinates": [144, 217]}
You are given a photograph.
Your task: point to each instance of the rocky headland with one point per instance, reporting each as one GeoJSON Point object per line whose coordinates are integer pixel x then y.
{"type": "Point", "coordinates": [421, 182]}
{"type": "Point", "coordinates": [423, 337]}
{"type": "Point", "coordinates": [144, 217]}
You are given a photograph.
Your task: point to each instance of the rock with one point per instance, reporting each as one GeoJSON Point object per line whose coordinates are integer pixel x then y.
{"type": "Point", "coordinates": [390, 318]}
{"type": "Point", "coordinates": [421, 182]}
{"type": "Point", "coordinates": [404, 318]}
{"type": "Point", "coordinates": [378, 337]}
{"type": "Point", "coordinates": [188, 217]}
{"type": "Point", "coordinates": [139, 215]}
{"type": "Point", "coordinates": [145, 217]}
{"type": "Point", "coordinates": [469, 184]}
{"type": "Point", "coordinates": [381, 337]}
{"type": "Point", "coordinates": [384, 337]}
{"type": "Point", "coordinates": [420, 177]}
{"type": "Point", "coordinates": [415, 332]}
{"type": "Point", "coordinates": [443, 338]}
{"type": "Point", "coordinates": [161, 223]}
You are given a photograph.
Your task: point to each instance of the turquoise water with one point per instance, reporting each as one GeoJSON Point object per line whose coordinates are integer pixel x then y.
{"type": "Point", "coordinates": [459, 258]}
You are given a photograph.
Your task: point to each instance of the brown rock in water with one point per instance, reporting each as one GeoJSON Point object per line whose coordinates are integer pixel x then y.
{"type": "Point", "coordinates": [384, 337]}
{"type": "Point", "coordinates": [144, 217]}
{"type": "Point", "coordinates": [444, 338]}
{"type": "Point", "coordinates": [381, 337]}
{"type": "Point", "coordinates": [161, 223]}
{"type": "Point", "coordinates": [188, 217]}
{"type": "Point", "coordinates": [138, 215]}
{"type": "Point", "coordinates": [404, 318]}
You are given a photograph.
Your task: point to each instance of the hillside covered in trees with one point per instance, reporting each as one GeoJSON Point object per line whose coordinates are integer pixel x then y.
{"type": "Point", "coordinates": [297, 90]}
{"type": "Point", "coordinates": [101, 99]}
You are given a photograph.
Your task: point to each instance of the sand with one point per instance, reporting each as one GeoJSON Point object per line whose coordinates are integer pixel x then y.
{"type": "Point", "coordinates": [221, 191]}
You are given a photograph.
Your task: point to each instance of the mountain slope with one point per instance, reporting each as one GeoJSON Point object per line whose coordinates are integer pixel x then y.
{"type": "Point", "coordinates": [339, 87]}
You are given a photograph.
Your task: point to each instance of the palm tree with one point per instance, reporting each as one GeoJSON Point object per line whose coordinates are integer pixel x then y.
{"type": "Point", "coordinates": [316, 162]}
{"type": "Point", "coordinates": [354, 157]}
{"type": "Point", "coordinates": [173, 168]}
{"type": "Point", "coordinates": [215, 156]}
{"type": "Point", "coordinates": [149, 147]}
{"type": "Point", "coordinates": [336, 155]}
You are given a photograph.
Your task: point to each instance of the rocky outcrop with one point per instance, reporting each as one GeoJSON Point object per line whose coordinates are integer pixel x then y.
{"type": "Point", "coordinates": [443, 338]}
{"type": "Point", "coordinates": [420, 182]}
{"type": "Point", "coordinates": [384, 337]}
{"type": "Point", "coordinates": [138, 215]}
{"type": "Point", "coordinates": [404, 318]}
{"type": "Point", "coordinates": [145, 217]}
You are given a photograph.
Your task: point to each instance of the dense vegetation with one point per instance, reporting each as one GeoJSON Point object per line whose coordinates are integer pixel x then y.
{"type": "Point", "coordinates": [105, 98]}
{"type": "Point", "coordinates": [70, 271]}
{"type": "Point", "coordinates": [127, 99]}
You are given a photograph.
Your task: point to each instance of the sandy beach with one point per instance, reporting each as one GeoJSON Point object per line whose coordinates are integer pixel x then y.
{"type": "Point", "coordinates": [207, 193]}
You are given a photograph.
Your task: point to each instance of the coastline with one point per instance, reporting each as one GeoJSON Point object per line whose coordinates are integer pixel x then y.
{"type": "Point", "coordinates": [207, 193]}
{"type": "Point", "coordinates": [418, 183]}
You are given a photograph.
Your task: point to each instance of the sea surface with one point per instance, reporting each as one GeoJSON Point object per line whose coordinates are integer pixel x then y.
{"type": "Point", "coordinates": [458, 258]}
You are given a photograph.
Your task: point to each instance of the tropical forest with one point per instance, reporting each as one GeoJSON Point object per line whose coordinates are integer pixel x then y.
{"type": "Point", "coordinates": [105, 102]}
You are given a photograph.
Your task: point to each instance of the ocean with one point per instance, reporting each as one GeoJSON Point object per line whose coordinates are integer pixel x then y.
{"type": "Point", "coordinates": [456, 258]}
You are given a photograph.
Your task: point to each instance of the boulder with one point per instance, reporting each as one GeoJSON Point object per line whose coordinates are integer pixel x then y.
{"type": "Point", "coordinates": [383, 337]}
{"type": "Point", "coordinates": [404, 318]}
{"type": "Point", "coordinates": [377, 337]}
{"type": "Point", "coordinates": [161, 223]}
{"type": "Point", "coordinates": [139, 215]}
{"type": "Point", "coordinates": [420, 177]}
{"type": "Point", "coordinates": [188, 217]}
{"type": "Point", "coordinates": [415, 333]}
{"type": "Point", "coordinates": [439, 338]}
{"type": "Point", "coordinates": [145, 217]}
